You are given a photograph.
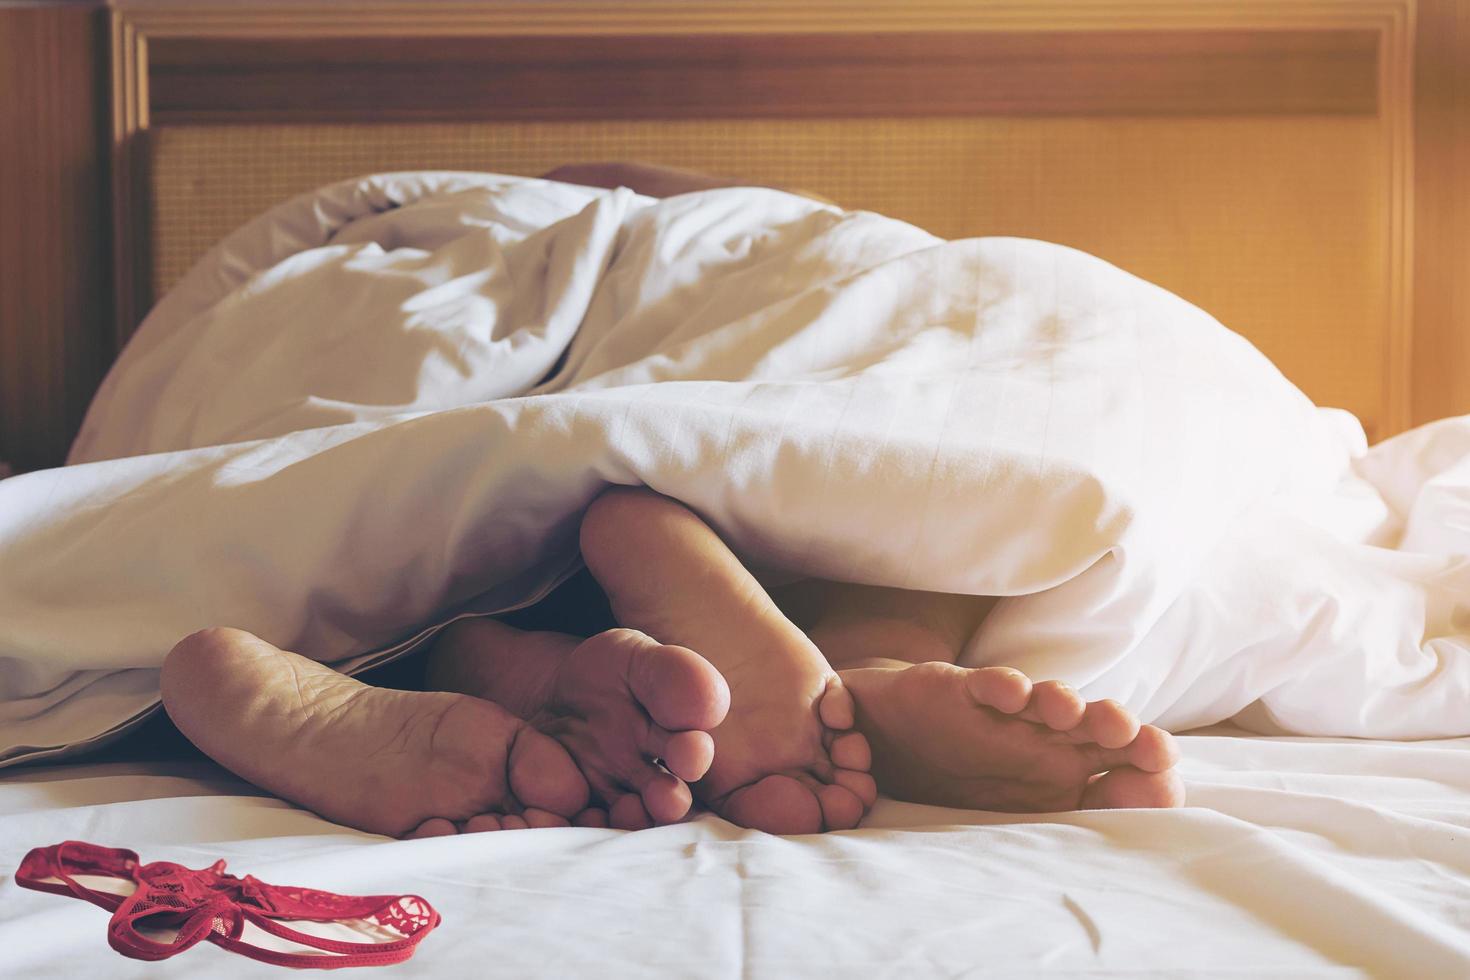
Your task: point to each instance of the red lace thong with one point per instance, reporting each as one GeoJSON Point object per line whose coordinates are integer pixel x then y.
{"type": "Point", "coordinates": [170, 899]}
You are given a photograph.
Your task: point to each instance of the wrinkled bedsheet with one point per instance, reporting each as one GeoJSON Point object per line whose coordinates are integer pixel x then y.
{"type": "Point", "coordinates": [385, 404]}
{"type": "Point", "coordinates": [1293, 858]}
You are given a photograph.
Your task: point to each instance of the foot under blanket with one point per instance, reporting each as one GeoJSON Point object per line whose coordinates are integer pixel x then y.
{"type": "Point", "coordinates": [385, 404]}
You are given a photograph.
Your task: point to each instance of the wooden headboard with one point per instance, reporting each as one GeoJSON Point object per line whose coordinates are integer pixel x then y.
{"type": "Point", "coordinates": [1254, 156]}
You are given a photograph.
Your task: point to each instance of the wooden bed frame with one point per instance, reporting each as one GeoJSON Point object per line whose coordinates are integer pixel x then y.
{"type": "Point", "coordinates": [1255, 156]}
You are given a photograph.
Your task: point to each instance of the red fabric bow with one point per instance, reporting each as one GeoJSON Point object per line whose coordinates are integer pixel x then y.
{"type": "Point", "coordinates": [209, 904]}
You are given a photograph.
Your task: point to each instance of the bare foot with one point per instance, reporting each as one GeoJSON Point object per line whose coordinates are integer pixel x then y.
{"type": "Point", "coordinates": [390, 762]}
{"type": "Point", "coordinates": [634, 714]}
{"type": "Point", "coordinates": [988, 739]}
{"type": "Point", "coordinates": [785, 758]}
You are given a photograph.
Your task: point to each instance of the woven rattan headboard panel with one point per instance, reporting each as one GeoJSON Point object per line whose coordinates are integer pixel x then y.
{"type": "Point", "coordinates": [1268, 223]}
{"type": "Point", "coordinates": [1250, 160]}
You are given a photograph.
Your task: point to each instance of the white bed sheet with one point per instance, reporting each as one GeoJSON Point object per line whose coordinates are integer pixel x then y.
{"type": "Point", "coordinates": [1295, 857]}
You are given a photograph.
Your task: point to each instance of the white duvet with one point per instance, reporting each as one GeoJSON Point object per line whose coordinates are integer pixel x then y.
{"type": "Point", "coordinates": [385, 404]}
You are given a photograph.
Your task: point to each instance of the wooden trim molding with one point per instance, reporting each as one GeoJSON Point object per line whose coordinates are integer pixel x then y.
{"type": "Point", "coordinates": [1441, 268]}
{"type": "Point", "coordinates": [130, 226]}
{"type": "Point", "coordinates": [1396, 127]}
{"type": "Point", "coordinates": [55, 316]}
{"type": "Point", "coordinates": [547, 77]}
{"type": "Point", "coordinates": [191, 62]}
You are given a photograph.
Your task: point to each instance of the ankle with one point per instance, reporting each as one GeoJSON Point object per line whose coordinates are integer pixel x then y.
{"type": "Point", "coordinates": [489, 660]}
{"type": "Point", "coordinates": [880, 643]}
{"type": "Point", "coordinates": [869, 664]}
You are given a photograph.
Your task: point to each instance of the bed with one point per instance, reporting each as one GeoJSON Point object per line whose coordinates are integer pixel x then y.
{"type": "Point", "coordinates": [1184, 143]}
{"type": "Point", "coordinates": [1295, 857]}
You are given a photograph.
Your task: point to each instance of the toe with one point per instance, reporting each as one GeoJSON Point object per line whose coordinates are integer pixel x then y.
{"type": "Point", "coordinates": [433, 827]}
{"type": "Point", "coordinates": [776, 804]}
{"type": "Point", "coordinates": [1154, 750]}
{"type": "Point", "coordinates": [687, 755]}
{"type": "Point", "coordinates": [862, 785]}
{"type": "Point", "coordinates": [836, 707]}
{"type": "Point", "coordinates": [513, 821]}
{"type": "Point", "coordinates": [541, 819]}
{"type": "Point", "coordinates": [1129, 788]}
{"type": "Point", "coordinates": [1109, 724]}
{"type": "Point", "coordinates": [666, 797]}
{"type": "Point", "coordinates": [1005, 689]}
{"type": "Point", "coordinates": [851, 750]}
{"type": "Point", "coordinates": [543, 775]}
{"type": "Point", "coordinates": [678, 688]}
{"type": "Point", "coordinates": [1055, 705]}
{"type": "Point", "coordinates": [627, 813]}
{"type": "Point", "coordinates": [841, 807]}
{"type": "Point", "coordinates": [484, 823]}
{"type": "Point", "coordinates": [591, 817]}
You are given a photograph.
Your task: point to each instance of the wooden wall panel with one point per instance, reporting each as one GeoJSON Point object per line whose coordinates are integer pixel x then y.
{"type": "Point", "coordinates": [54, 264]}
{"type": "Point", "coordinates": [1442, 210]}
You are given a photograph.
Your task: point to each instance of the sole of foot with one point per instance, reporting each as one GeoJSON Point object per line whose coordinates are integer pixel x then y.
{"type": "Point", "coordinates": [633, 713]}
{"type": "Point", "coordinates": [636, 716]}
{"type": "Point", "coordinates": [399, 763]}
{"type": "Point", "coordinates": [785, 758]}
{"type": "Point", "coordinates": [990, 739]}
{"type": "Point", "coordinates": [790, 765]}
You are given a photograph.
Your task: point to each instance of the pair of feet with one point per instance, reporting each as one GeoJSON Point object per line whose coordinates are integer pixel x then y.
{"type": "Point", "coordinates": [543, 730]}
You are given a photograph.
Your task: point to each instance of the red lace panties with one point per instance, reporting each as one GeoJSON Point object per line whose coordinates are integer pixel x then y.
{"type": "Point", "coordinates": [169, 898]}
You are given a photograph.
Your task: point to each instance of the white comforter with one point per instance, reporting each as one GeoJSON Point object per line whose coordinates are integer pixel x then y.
{"type": "Point", "coordinates": [384, 405]}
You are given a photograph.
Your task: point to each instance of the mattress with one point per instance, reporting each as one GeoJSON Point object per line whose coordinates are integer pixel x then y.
{"type": "Point", "coordinates": [1294, 857]}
